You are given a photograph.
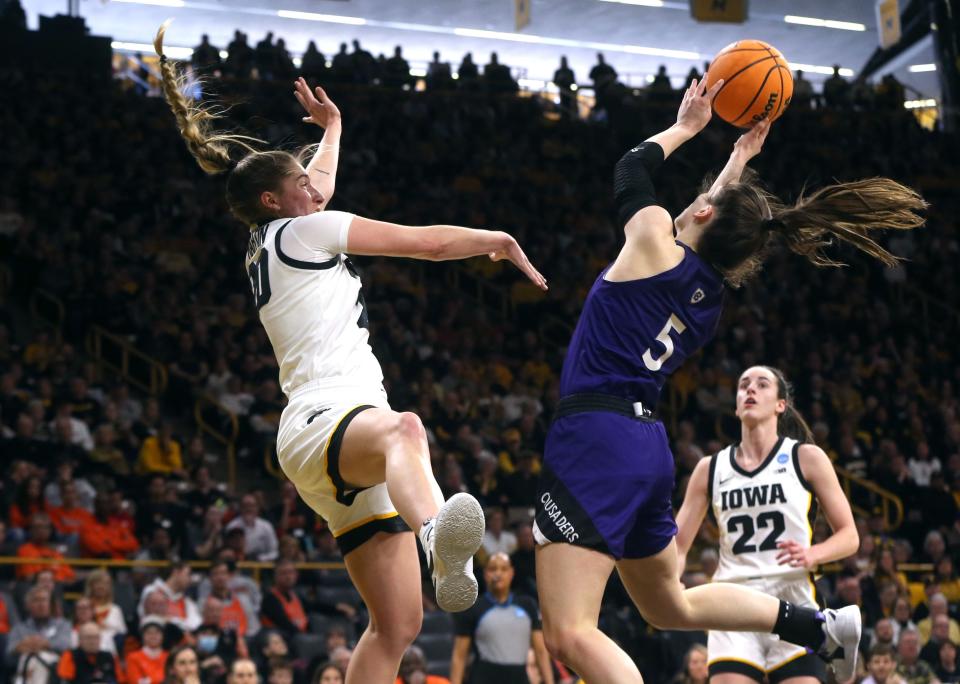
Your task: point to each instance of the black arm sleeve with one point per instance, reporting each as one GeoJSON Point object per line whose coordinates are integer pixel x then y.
{"type": "Point", "coordinates": [633, 180]}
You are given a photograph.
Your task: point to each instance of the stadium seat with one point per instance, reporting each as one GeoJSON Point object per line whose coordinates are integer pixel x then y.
{"type": "Point", "coordinates": [436, 646]}
{"type": "Point", "coordinates": [440, 668]}
{"type": "Point", "coordinates": [309, 646]}
{"type": "Point", "coordinates": [437, 622]}
{"type": "Point", "coordinates": [125, 596]}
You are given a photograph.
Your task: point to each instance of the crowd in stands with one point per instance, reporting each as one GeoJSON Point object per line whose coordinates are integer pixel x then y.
{"type": "Point", "coordinates": [101, 206]}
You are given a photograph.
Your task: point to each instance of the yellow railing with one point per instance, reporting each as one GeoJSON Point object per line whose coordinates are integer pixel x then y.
{"type": "Point", "coordinates": [47, 309]}
{"type": "Point", "coordinates": [113, 353]}
{"type": "Point", "coordinates": [256, 567]}
{"type": "Point", "coordinates": [228, 438]}
{"type": "Point", "coordinates": [890, 504]}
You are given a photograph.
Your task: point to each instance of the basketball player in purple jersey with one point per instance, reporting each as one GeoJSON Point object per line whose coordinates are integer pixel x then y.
{"type": "Point", "coordinates": [607, 479]}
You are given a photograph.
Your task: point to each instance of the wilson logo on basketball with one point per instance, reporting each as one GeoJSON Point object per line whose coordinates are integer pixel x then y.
{"type": "Point", "coordinates": [771, 103]}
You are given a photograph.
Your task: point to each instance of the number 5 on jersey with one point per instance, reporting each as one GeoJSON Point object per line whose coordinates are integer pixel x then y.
{"type": "Point", "coordinates": [654, 364]}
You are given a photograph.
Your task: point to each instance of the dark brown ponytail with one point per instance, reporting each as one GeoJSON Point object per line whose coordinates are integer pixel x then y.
{"type": "Point", "coordinates": [748, 219]}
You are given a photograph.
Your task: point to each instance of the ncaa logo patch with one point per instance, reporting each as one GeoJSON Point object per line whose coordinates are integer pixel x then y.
{"type": "Point", "coordinates": [782, 458]}
{"type": "Point", "coordinates": [697, 296]}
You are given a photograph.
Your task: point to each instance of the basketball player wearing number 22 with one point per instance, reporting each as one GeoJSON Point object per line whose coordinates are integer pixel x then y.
{"type": "Point", "coordinates": [605, 492]}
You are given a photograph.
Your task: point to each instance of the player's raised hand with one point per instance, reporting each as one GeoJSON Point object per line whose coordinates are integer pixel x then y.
{"type": "Point", "coordinates": [320, 108]}
{"type": "Point", "coordinates": [697, 105]}
{"type": "Point", "coordinates": [513, 253]}
{"type": "Point", "coordinates": [750, 143]}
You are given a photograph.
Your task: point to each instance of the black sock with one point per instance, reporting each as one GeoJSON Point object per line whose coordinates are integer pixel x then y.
{"type": "Point", "coordinates": [801, 626]}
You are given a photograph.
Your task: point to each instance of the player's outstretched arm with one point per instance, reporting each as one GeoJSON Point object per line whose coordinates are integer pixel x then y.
{"type": "Point", "coordinates": [746, 148]}
{"type": "Point", "coordinates": [322, 112]}
{"type": "Point", "coordinates": [437, 243]}
{"type": "Point", "coordinates": [817, 469]}
{"type": "Point", "coordinates": [692, 510]}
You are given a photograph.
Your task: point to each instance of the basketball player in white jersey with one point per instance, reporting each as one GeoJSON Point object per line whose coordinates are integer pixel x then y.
{"type": "Point", "coordinates": [761, 492]}
{"type": "Point", "coordinates": [360, 465]}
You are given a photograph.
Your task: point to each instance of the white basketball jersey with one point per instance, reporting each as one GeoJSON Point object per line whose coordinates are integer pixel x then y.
{"type": "Point", "coordinates": [308, 296]}
{"type": "Point", "coordinates": [755, 510]}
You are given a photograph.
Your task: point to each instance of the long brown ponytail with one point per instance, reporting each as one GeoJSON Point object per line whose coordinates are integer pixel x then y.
{"type": "Point", "coordinates": [250, 171]}
{"type": "Point", "coordinates": [748, 219]}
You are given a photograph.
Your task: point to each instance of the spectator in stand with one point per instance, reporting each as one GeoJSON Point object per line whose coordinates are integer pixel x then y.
{"type": "Point", "coordinates": [181, 609]}
{"type": "Point", "coordinates": [803, 95]}
{"type": "Point", "coordinates": [106, 613]}
{"type": "Point", "coordinates": [88, 662]}
{"type": "Point", "coordinates": [161, 453]}
{"type": "Point", "coordinates": [291, 515]}
{"type": "Point", "coordinates": [279, 671]}
{"type": "Point", "coordinates": [947, 670]}
{"type": "Point", "coordinates": [284, 610]}
{"type": "Point", "coordinates": [523, 560]}
{"type": "Point", "coordinates": [836, 90]}
{"type": "Point", "coordinates": [147, 664]}
{"type": "Point", "coordinates": [239, 583]}
{"type": "Point", "coordinates": [69, 517]}
{"type": "Point", "coordinates": [159, 511]}
{"type": "Point", "coordinates": [946, 575]}
{"type": "Point", "coordinates": [39, 546]}
{"type": "Point", "coordinates": [413, 669]}
{"type": "Point", "coordinates": [396, 71]}
{"type": "Point", "coordinates": [40, 635]}
{"type": "Point", "coordinates": [911, 668]}
{"type": "Point", "coordinates": [439, 75]}
{"type": "Point", "coordinates": [238, 612]}
{"type": "Point", "coordinates": [243, 671]}
{"type": "Point", "coordinates": [882, 666]}
{"type": "Point", "coordinates": [273, 647]}
{"type": "Point", "coordinates": [922, 465]}
{"type": "Point", "coordinates": [101, 539]}
{"type": "Point", "coordinates": [82, 615]}
{"type": "Point", "coordinates": [938, 608]}
{"type": "Point", "coordinates": [182, 667]}
{"type": "Point", "coordinates": [217, 647]}
{"type": "Point", "coordinates": [158, 548]}
{"type": "Point", "coordinates": [939, 634]}
{"type": "Point", "coordinates": [205, 58]}
{"type": "Point", "coordinates": [313, 64]}
{"type": "Point", "coordinates": [695, 669]}
{"type": "Point", "coordinates": [902, 622]}
{"type": "Point", "coordinates": [29, 501]}
{"type": "Point", "coordinates": [261, 540]}
{"type": "Point", "coordinates": [497, 539]}
{"type": "Point", "coordinates": [565, 80]}
{"type": "Point", "coordinates": [883, 633]}
{"type": "Point", "coordinates": [204, 492]}
{"type": "Point", "coordinates": [329, 673]}
{"type": "Point", "coordinates": [468, 74]}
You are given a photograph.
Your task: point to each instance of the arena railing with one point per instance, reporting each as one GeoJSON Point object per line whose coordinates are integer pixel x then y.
{"type": "Point", "coordinates": [203, 408]}
{"type": "Point", "coordinates": [119, 356]}
{"type": "Point", "coordinates": [890, 504]}
{"type": "Point", "coordinates": [258, 568]}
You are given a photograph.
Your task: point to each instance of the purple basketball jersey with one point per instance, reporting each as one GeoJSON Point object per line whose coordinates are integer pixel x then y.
{"type": "Point", "coordinates": [633, 334]}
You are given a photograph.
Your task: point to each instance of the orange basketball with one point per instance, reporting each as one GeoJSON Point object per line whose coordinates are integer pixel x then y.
{"type": "Point", "coordinates": [757, 83]}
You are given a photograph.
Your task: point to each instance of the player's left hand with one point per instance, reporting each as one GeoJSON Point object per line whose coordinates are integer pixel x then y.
{"type": "Point", "coordinates": [696, 109]}
{"type": "Point", "coordinates": [513, 253]}
{"type": "Point", "coordinates": [320, 108]}
{"type": "Point", "coordinates": [795, 555]}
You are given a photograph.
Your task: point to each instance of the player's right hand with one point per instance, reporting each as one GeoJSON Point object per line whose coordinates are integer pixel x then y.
{"type": "Point", "coordinates": [515, 255]}
{"type": "Point", "coordinates": [750, 143]}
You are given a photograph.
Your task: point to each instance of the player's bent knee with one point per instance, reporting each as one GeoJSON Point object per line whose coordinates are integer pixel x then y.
{"type": "Point", "coordinates": [563, 643]}
{"type": "Point", "coordinates": [399, 633]}
{"type": "Point", "coordinates": [409, 428]}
